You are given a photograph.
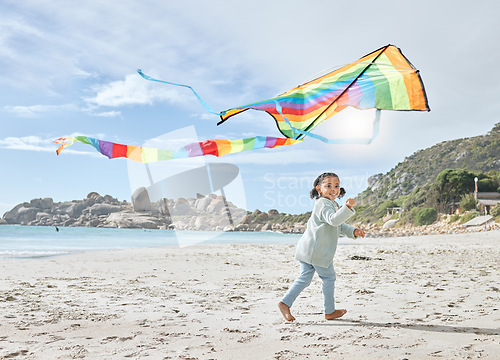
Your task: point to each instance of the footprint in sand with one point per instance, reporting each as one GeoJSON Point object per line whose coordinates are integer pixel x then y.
{"type": "Point", "coordinates": [15, 354]}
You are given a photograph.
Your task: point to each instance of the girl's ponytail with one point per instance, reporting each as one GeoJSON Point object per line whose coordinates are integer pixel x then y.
{"type": "Point", "coordinates": [314, 193]}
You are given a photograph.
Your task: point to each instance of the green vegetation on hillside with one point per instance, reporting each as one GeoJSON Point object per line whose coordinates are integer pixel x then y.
{"type": "Point", "coordinates": [440, 178]}
{"type": "Point", "coordinates": [478, 155]}
{"type": "Point", "coordinates": [452, 188]}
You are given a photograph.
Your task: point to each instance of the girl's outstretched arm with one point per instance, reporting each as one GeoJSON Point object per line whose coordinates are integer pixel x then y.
{"type": "Point", "coordinates": [332, 217]}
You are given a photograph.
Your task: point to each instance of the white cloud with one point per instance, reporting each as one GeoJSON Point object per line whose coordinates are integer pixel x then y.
{"type": "Point", "coordinates": [40, 144]}
{"type": "Point", "coordinates": [184, 46]}
{"type": "Point", "coordinates": [31, 143]}
{"type": "Point", "coordinates": [109, 114]}
{"type": "Point", "coordinates": [30, 56]}
{"type": "Point", "coordinates": [83, 74]}
{"type": "Point", "coordinates": [134, 90]}
{"type": "Point", "coordinates": [11, 30]}
{"type": "Point", "coordinates": [32, 111]}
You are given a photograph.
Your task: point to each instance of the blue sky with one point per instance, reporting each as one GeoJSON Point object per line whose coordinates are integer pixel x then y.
{"type": "Point", "coordinates": [70, 69]}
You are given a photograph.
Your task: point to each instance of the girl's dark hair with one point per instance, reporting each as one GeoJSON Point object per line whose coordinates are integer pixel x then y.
{"type": "Point", "coordinates": [314, 193]}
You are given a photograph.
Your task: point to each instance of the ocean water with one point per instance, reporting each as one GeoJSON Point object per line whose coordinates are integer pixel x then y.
{"type": "Point", "coordinates": [42, 241]}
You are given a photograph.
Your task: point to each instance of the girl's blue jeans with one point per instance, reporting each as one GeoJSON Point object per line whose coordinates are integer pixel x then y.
{"type": "Point", "coordinates": [327, 275]}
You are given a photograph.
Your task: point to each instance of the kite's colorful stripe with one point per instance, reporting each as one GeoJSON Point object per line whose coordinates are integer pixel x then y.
{"type": "Point", "coordinates": [383, 79]}
{"type": "Point", "coordinates": [216, 147]}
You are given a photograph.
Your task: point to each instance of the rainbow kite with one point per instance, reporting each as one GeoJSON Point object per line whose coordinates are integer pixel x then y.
{"type": "Point", "coordinates": [383, 80]}
{"type": "Point", "coordinates": [216, 147]}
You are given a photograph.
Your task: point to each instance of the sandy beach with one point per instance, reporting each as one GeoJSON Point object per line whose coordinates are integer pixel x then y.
{"type": "Point", "coordinates": [419, 297]}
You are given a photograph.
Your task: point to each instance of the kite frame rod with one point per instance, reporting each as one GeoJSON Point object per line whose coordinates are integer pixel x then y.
{"type": "Point", "coordinates": [336, 67]}
{"type": "Point", "coordinates": [345, 90]}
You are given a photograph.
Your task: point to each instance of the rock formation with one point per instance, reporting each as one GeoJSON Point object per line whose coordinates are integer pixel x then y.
{"type": "Point", "coordinates": [204, 213]}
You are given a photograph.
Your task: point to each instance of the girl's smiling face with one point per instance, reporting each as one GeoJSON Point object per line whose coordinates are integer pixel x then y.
{"type": "Point", "coordinates": [329, 188]}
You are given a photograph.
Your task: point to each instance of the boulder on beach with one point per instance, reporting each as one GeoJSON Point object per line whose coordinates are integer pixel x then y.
{"type": "Point", "coordinates": [131, 220]}
{"type": "Point", "coordinates": [181, 207]}
{"type": "Point", "coordinates": [26, 214]}
{"type": "Point", "coordinates": [203, 203]}
{"type": "Point", "coordinates": [45, 203]}
{"type": "Point", "coordinates": [103, 209]}
{"type": "Point", "coordinates": [75, 210]}
{"type": "Point", "coordinates": [390, 224]}
{"type": "Point", "coordinates": [10, 217]}
{"type": "Point", "coordinates": [215, 206]}
{"type": "Point", "coordinates": [93, 198]}
{"type": "Point", "coordinates": [273, 212]}
{"type": "Point", "coordinates": [201, 224]}
{"type": "Point", "coordinates": [263, 217]}
{"type": "Point", "coordinates": [140, 200]}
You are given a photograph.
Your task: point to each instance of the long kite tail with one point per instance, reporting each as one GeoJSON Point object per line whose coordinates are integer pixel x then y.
{"type": "Point", "coordinates": [65, 142]}
{"type": "Point", "coordinates": [202, 102]}
{"type": "Point", "coordinates": [215, 147]}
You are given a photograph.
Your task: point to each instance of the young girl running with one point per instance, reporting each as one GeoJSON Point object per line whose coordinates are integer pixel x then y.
{"type": "Point", "coordinates": [317, 246]}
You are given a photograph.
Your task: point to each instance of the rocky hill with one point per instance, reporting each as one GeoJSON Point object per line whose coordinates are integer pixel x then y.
{"type": "Point", "coordinates": [476, 154]}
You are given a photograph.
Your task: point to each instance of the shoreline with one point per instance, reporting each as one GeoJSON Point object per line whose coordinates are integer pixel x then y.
{"type": "Point", "coordinates": [373, 230]}
{"type": "Point", "coordinates": [19, 241]}
{"type": "Point", "coordinates": [414, 297]}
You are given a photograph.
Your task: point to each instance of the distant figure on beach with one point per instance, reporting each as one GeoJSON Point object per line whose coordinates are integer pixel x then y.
{"type": "Point", "coordinates": [57, 229]}
{"type": "Point", "coordinates": [317, 246]}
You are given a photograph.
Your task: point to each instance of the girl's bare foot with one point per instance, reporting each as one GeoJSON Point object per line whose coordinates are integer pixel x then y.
{"type": "Point", "coordinates": [334, 315]}
{"type": "Point", "coordinates": [285, 310]}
